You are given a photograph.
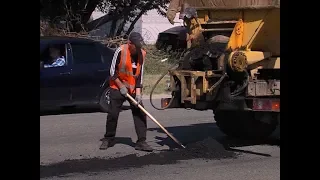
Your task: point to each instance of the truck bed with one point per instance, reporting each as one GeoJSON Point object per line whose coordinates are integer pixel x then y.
{"type": "Point", "coordinates": [226, 4]}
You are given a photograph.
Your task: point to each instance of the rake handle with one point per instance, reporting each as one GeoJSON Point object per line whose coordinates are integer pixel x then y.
{"type": "Point", "coordinates": [155, 121]}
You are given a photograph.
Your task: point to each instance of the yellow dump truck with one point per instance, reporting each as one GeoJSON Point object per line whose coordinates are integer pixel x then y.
{"type": "Point", "coordinates": [232, 64]}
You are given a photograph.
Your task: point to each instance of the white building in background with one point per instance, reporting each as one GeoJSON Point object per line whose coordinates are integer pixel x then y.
{"type": "Point", "coordinates": [149, 25]}
{"type": "Point", "coordinates": [153, 23]}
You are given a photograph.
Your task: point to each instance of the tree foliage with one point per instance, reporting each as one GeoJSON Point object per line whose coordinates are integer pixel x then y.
{"type": "Point", "coordinates": [76, 13]}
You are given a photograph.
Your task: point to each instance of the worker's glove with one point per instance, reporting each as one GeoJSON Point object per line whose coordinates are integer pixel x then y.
{"type": "Point", "coordinates": [124, 91]}
{"type": "Point", "coordinates": [138, 99]}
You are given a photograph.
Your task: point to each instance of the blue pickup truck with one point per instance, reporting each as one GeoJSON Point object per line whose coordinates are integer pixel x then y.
{"type": "Point", "coordinates": [82, 80]}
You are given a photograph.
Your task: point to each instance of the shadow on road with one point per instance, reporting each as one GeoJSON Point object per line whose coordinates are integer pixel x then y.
{"type": "Point", "coordinates": [198, 132]}
{"type": "Point", "coordinates": [75, 110]}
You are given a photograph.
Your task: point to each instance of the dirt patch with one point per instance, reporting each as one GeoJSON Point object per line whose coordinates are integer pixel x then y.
{"type": "Point", "coordinates": [206, 149]}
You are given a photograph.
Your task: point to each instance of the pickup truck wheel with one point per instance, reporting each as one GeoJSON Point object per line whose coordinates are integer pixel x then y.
{"type": "Point", "coordinates": [105, 100]}
{"type": "Point", "coordinates": [246, 124]}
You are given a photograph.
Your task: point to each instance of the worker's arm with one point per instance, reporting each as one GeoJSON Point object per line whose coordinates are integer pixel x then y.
{"type": "Point", "coordinates": [114, 70]}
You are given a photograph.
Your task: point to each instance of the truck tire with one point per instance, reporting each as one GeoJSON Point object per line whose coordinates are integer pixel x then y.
{"type": "Point", "coordinates": [245, 124]}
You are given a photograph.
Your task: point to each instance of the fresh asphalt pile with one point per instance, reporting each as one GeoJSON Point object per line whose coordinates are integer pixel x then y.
{"type": "Point", "coordinates": [206, 149]}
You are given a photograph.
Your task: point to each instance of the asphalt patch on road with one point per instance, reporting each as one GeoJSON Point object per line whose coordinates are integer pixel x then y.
{"type": "Point", "coordinates": [206, 149]}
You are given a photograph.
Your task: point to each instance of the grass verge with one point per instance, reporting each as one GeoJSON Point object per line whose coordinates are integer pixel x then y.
{"type": "Point", "coordinates": [149, 80]}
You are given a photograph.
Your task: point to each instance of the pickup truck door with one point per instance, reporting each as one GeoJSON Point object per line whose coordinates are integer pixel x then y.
{"type": "Point", "coordinates": [55, 87]}
{"type": "Point", "coordinates": [88, 72]}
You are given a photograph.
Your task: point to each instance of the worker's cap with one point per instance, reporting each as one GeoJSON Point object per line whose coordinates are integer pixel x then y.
{"type": "Point", "coordinates": [136, 39]}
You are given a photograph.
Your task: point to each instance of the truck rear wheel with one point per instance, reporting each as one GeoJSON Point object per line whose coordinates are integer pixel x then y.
{"type": "Point", "coordinates": [246, 124]}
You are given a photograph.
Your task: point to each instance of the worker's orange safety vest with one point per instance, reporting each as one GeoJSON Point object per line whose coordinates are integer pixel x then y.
{"type": "Point", "coordinates": [125, 72]}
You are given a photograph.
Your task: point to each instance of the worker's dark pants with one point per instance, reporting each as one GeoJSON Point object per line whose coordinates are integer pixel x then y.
{"type": "Point", "coordinates": [140, 119]}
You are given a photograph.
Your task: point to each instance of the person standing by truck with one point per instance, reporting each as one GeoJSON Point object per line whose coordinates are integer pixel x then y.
{"type": "Point", "coordinates": [126, 77]}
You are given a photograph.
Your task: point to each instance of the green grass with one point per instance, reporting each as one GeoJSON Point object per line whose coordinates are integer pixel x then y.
{"type": "Point", "coordinates": [149, 80]}
{"type": "Point", "coordinates": [153, 64]}
{"type": "Point", "coordinates": [153, 69]}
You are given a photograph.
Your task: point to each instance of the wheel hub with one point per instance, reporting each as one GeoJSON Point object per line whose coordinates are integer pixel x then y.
{"type": "Point", "coordinates": [107, 97]}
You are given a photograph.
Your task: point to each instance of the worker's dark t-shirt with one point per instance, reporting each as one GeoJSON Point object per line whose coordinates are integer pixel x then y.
{"type": "Point", "coordinates": [114, 67]}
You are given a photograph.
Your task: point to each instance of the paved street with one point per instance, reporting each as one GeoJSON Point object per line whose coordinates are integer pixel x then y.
{"type": "Point", "coordinates": [69, 147]}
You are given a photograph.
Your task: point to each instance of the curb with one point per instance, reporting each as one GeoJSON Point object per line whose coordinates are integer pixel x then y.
{"type": "Point", "coordinates": [156, 96]}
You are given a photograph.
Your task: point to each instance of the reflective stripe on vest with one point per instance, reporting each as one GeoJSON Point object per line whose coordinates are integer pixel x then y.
{"type": "Point", "coordinates": [124, 59]}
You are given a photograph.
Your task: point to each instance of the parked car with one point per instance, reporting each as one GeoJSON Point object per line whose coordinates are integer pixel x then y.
{"type": "Point", "coordinates": [172, 39]}
{"type": "Point", "coordinates": [83, 80]}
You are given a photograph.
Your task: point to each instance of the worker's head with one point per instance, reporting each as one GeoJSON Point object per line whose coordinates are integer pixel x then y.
{"type": "Point", "coordinates": [135, 42]}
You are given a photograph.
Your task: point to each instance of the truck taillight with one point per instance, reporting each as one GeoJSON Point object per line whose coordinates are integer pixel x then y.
{"type": "Point", "coordinates": [266, 104]}
{"type": "Point", "coordinates": [165, 102]}
{"type": "Point", "coordinates": [276, 105]}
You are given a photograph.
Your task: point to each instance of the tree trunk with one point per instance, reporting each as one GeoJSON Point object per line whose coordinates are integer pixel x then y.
{"type": "Point", "coordinates": [144, 9]}
{"type": "Point", "coordinates": [111, 17]}
{"type": "Point", "coordinates": [89, 8]}
{"type": "Point", "coordinates": [135, 21]}
{"type": "Point", "coordinates": [113, 28]}
{"type": "Point", "coordinates": [100, 21]}
{"type": "Point", "coordinates": [121, 26]}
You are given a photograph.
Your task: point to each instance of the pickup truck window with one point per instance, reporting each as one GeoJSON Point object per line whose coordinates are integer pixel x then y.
{"type": "Point", "coordinates": [85, 53]}
{"type": "Point", "coordinates": [53, 55]}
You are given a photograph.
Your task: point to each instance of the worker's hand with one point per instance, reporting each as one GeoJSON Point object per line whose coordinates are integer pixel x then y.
{"type": "Point", "coordinates": [124, 91]}
{"type": "Point", "coordinates": [138, 98]}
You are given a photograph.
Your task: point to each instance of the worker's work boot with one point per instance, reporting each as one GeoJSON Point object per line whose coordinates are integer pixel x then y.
{"type": "Point", "coordinates": [143, 146]}
{"type": "Point", "coordinates": [106, 143]}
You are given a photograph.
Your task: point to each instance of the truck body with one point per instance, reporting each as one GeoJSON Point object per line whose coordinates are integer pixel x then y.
{"type": "Point", "coordinates": [232, 64]}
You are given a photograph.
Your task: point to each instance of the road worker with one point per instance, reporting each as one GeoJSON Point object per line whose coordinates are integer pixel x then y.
{"type": "Point", "coordinates": [126, 75]}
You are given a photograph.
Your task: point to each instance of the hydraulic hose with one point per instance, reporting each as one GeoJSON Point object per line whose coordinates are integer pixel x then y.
{"type": "Point", "coordinates": [240, 90]}
{"type": "Point", "coordinates": [153, 88]}
{"type": "Point", "coordinates": [233, 94]}
{"type": "Point", "coordinates": [162, 76]}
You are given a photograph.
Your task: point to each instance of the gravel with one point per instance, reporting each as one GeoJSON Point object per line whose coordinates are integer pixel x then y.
{"type": "Point", "coordinates": [206, 149]}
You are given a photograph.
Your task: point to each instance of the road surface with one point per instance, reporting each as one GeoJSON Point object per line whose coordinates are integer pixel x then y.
{"type": "Point", "coordinates": [69, 149]}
